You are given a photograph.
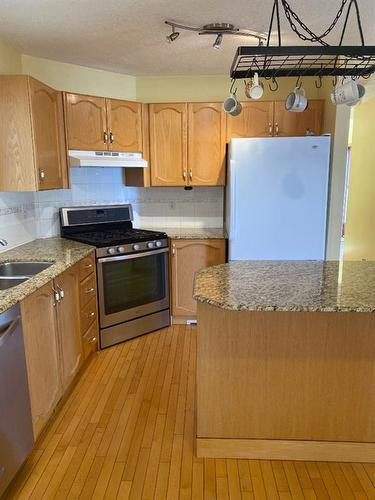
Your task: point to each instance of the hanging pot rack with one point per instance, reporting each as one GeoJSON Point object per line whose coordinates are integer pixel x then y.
{"type": "Point", "coordinates": [271, 62]}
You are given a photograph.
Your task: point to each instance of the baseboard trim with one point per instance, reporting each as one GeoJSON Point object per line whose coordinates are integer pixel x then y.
{"type": "Point", "coordinates": [274, 449]}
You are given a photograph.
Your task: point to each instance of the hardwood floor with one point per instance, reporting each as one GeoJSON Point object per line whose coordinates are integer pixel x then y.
{"type": "Point", "coordinates": [127, 430]}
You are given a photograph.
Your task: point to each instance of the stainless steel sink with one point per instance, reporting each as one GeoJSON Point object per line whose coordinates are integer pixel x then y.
{"type": "Point", "coordinates": [6, 283]}
{"type": "Point", "coordinates": [22, 269]}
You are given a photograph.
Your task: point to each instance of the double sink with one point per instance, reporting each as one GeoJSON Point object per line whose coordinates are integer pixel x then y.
{"type": "Point", "coordinates": [15, 273]}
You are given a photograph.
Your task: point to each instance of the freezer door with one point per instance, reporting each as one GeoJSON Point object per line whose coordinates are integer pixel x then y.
{"type": "Point", "coordinates": [277, 198]}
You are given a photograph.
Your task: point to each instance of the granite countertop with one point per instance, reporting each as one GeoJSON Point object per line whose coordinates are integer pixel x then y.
{"type": "Point", "coordinates": [64, 252]}
{"type": "Point", "coordinates": [192, 233]}
{"type": "Point", "coordinates": [310, 286]}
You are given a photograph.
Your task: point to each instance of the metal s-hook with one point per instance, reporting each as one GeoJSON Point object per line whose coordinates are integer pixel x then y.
{"type": "Point", "coordinates": [334, 81]}
{"type": "Point", "coordinates": [276, 87]}
{"type": "Point", "coordinates": [231, 88]}
{"type": "Point", "coordinates": [298, 83]}
{"type": "Point", "coordinates": [319, 85]}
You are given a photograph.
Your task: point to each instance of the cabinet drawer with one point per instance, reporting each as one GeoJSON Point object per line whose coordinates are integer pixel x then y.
{"type": "Point", "coordinates": [87, 290]}
{"type": "Point", "coordinates": [90, 340]}
{"type": "Point", "coordinates": [86, 266]}
{"type": "Point", "coordinates": [89, 313]}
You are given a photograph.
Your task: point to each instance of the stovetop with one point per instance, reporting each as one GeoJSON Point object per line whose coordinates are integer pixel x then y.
{"type": "Point", "coordinates": [113, 237]}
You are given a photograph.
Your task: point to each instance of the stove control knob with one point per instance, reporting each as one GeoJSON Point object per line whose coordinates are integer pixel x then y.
{"type": "Point", "coordinates": [158, 243]}
{"type": "Point", "coordinates": [136, 246]}
{"type": "Point", "coordinates": [150, 244]}
{"type": "Point", "coordinates": [121, 249]}
{"type": "Point", "coordinates": [111, 250]}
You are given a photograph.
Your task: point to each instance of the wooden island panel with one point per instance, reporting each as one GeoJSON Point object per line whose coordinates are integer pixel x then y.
{"type": "Point", "coordinates": [292, 385]}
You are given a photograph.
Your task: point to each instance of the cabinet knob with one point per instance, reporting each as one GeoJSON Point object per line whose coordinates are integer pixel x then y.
{"type": "Point", "coordinates": [88, 266]}
{"type": "Point", "coordinates": [89, 290]}
{"type": "Point", "coordinates": [92, 340]}
{"type": "Point", "coordinates": [91, 315]}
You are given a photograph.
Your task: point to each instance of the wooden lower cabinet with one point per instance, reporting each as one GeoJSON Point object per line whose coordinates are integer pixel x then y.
{"type": "Point", "coordinates": [55, 345]}
{"type": "Point", "coordinates": [88, 302]}
{"type": "Point", "coordinates": [42, 354]}
{"type": "Point", "coordinates": [187, 257]}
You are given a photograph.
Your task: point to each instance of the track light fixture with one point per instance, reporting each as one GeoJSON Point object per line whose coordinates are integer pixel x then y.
{"type": "Point", "coordinates": [218, 29]}
{"type": "Point", "coordinates": [217, 42]}
{"type": "Point", "coordinates": [173, 36]}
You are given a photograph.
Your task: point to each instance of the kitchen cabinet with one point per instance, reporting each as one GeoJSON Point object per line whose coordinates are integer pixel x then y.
{"type": "Point", "coordinates": [42, 354]}
{"type": "Point", "coordinates": [68, 319]}
{"type": "Point", "coordinates": [32, 140]}
{"type": "Point", "coordinates": [168, 144]}
{"type": "Point", "coordinates": [88, 303]}
{"type": "Point", "coordinates": [55, 345]}
{"type": "Point", "coordinates": [289, 124]}
{"type": "Point", "coordinates": [271, 119]}
{"type": "Point", "coordinates": [206, 147]}
{"type": "Point", "coordinates": [102, 124]}
{"type": "Point", "coordinates": [187, 257]}
{"type": "Point", "coordinates": [255, 120]}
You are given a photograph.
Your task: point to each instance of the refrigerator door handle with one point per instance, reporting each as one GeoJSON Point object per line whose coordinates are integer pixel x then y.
{"type": "Point", "coordinates": [233, 204]}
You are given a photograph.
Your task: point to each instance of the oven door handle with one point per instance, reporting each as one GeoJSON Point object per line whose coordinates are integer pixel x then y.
{"type": "Point", "coordinates": [132, 256]}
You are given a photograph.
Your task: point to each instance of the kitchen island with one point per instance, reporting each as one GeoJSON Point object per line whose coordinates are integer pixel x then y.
{"type": "Point", "coordinates": [286, 360]}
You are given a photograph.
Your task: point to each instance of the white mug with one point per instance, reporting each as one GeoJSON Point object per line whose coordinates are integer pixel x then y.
{"type": "Point", "coordinates": [296, 101]}
{"type": "Point", "coordinates": [349, 93]}
{"type": "Point", "coordinates": [255, 89]}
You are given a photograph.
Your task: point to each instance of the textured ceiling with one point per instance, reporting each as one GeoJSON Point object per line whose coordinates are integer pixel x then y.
{"type": "Point", "coordinates": [128, 36]}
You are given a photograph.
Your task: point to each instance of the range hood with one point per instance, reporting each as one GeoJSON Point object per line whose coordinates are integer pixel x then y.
{"type": "Point", "coordinates": [106, 159]}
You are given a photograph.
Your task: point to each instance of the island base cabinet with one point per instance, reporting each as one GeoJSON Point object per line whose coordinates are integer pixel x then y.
{"type": "Point", "coordinates": [187, 257]}
{"type": "Point", "coordinates": [54, 347]}
{"type": "Point", "coordinates": [285, 385]}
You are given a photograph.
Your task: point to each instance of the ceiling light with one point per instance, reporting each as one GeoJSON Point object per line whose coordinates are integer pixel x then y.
{"type": "Point", "coordinates": [217, 43]}
{"type": "Point", "coordinates": [173, 36]}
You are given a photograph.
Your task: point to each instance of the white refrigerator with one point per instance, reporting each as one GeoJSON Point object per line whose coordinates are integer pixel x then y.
{"type": "Point", "coordinates": [277, 197]}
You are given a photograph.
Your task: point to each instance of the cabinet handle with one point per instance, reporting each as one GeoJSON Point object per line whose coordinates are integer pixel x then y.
{"type": "Point", "coordinates": [105, 137]}
{"type": "Point", "coordinates": [191, 175]}
{"type": "Point", "coordinates": [111, 137]}
{"type": "Point", "coordinates": [88, 266]}
{"type": "Point", "coordinates": [42, 174]}
{"type": "Point", "coordinates": [92, 340]}
{"type": "Point", "coordinates": [276, 129]}
{"type": "Point", "coordinates": [62, 293]}
{"type": "Point", "coordinates": [270, 128]}
{"type": "Point", "coordinates": [56, 297]}
{"type": "Point", "coordinates": [91, 315]}
{"type": "Point", "coordinates": [89, 290]}
{"type": "Point", "coordinates": [184, 175]}
{"type": "Point", "coordinates": [173, 249]}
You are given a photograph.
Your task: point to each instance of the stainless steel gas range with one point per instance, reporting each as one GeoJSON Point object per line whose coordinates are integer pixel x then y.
{"type": "Point", "coordinates": [132, 269]}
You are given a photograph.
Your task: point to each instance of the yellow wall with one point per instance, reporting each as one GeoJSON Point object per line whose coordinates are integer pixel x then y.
{"type": "Point", "coordinates": [10, 60]}
{"type": "Point", "coordinates": [360, 220]}
{"type": "Point", "coordinates": [80, 79]}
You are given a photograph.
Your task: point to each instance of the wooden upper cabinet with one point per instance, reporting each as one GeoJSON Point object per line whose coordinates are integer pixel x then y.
{"type": "Point", "coordinates": [289, 124]}
{"type": "Point", "coordinates": [42, 354]}
{"type": "Point", "coordinates": [255, 120]}
{"type": "Point", "coordinates": [86, 122]}
{"type": "Point", "coordinates": [69, 328]}
{"type": "Point", "coordinates": [48, 127]}
{"type": "Point", "coordinates": [187, 257]}
{"type": "Point", "coordinates": [168, 144]}
{"type": "Point", "coordinates": [32, 141]}
{"type": "Point", "coordinates": [125, 125]}
{"type": "Point", "coordinates": [206, 148]}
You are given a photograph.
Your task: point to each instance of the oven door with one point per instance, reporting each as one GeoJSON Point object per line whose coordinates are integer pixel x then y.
{"type": "Point", "coordinates": [131, 286]}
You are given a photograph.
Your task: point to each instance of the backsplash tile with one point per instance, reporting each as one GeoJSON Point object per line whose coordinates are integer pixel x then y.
{"type": "Point", "coordinates": [26, 216]}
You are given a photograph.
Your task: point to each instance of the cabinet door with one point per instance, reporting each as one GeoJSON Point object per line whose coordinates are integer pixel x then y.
{"type": "Point", "coordinates": [86, 122]}
{"type": "Point", "coordinates": [168, 144]}
{"type": "Point", "coordinates": [255, 120]}
{"type": "Point", "coordinates": [206, 152]}
{"type": "Point", "coordinates": [289, 124]}
{"type": "Point", "coordinates": [42, 359]}
{"type": "Point", "coordinates": [125, 125]}
{"type": "Point", "coordinates": [48, 133]}
{"type": "Point", "coordinates": [68, 316]}
{"type": "Point", "coordinates": [187, 257]}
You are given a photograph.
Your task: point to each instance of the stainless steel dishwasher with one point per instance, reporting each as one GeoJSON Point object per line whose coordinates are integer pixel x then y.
{"type": "Point", "coordinates": [16, 432]}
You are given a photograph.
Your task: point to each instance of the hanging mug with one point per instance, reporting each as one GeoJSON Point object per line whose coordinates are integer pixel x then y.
{"type": "Point", "coordinates": [349, 93]}
{"type": "Point", "coordinates": [255, 89]}
{"type": "Point", "coordinates": [296, 101]}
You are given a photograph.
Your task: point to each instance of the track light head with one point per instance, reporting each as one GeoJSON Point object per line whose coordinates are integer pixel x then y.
{"type": "Point", "coordinates": [173, 36]}
{"type": "Point", "coordinates": [217, 43]}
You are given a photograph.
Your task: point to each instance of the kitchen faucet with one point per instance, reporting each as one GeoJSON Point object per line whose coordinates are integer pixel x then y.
{"type": "Point", "coordinates": [3, 242]}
